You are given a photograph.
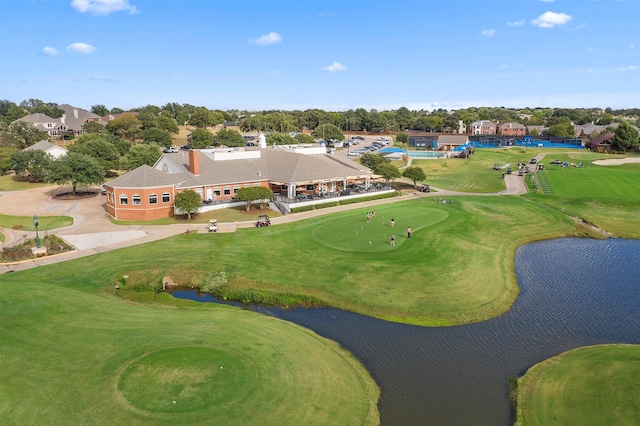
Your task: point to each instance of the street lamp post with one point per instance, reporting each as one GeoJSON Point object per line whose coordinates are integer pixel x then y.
{"type": "Point", "coordinates": [36, 222]}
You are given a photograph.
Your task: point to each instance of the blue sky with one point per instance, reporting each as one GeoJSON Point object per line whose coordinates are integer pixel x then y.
{"type": "Point", "coordinates": [333, 55]}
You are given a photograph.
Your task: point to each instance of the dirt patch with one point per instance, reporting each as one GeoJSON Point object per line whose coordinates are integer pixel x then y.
{"type": "Point", "coordinates": [79, 195]}
{"type": "Point", "coordinates": [593, 227]}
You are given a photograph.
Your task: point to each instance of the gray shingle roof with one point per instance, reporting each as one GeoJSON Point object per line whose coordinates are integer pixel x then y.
{"type": "Point", "coordinates": [274, 165]}
{"type": "Point", "coordinates": [453, 139]}
{"type": "Point", "coordinates": [42, 146]}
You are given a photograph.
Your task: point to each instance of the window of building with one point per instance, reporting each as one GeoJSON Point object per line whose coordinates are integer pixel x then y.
{"type": "Point", "coordinates": [236, 187]}
{"type": "Point", "coordinates": [309, 187]}
{"type": "Point", "coordinates": [153, 199]}
{"type": "Point", "coordinates": [166, 197]}
{"type": "Point", "coordinates": [227, 190]}
{"type": "Point", "coordinates": [216, 192]}
{"type": "Point", "coordinates": [135, 200]}
{"type": "Point", "coordinates": [124, 200]}
{"type": "Point", "coordinates": [246, 185]}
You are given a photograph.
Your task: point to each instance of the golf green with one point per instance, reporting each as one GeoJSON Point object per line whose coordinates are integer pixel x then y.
{"type": "Point", "coordinates": [354, 232]}
{"type": "Point", "coordinates": [186, 379]}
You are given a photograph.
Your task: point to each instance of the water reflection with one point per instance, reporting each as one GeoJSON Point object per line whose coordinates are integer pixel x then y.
{"type": "Point", "coordinates": [574, 292]}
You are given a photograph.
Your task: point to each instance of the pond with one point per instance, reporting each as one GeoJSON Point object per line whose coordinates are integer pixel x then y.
{"type": "Point", "coordinates": [574, 292]}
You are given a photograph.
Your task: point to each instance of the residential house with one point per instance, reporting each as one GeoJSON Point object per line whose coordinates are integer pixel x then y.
{"type": "Point", "coordinates": [70, 123]}
{"type": "Point", "coordinates": [483, 127]}
{"type": "Point", "coordinates": [216, 174]}
{"type": "Point", "coordinates": [511, 129]}
{"type": "Point", "coordinates": [53, 126]}
{"type": "Point", "coordinates": [49, 148]}
{"type": "Point", "coordinates": [602, 143]}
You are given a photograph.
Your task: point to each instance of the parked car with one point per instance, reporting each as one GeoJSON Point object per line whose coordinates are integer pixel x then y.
{"type": "Point", "coordinates": [533, 161]}
{"type": "Point", "coordinates": [213, 225]}
{"type": "Point", "coordinates": [556, 162]}
{"type": "Point", "coordinates": [103, 190]}
{"type": "Point", "coordinates": [185, 147]}
{"type": "Point", "coordinates": [171, 149]}
{"type": "Point", "coordinates": [509, 171]}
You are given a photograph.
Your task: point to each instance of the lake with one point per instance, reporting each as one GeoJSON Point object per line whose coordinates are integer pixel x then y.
{"type": "Point", "coordinates": [574, 292]}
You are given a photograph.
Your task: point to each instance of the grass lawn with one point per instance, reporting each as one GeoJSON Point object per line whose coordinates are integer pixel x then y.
{"type": "Point", "coordinates": [456, 268]}
{"type": "Point", "coordinates": [18, 183]}
{"type": "Point", "coordinates": [596, 385]}
{"type": "Point", "coordinates": [607, 196]}
{"type": "Point", "coordinates": [25, 223]}
{"type": "Point", "coordinates": [76, 357]}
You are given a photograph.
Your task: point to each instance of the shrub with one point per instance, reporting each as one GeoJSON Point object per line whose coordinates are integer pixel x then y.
{"type": "Point", "coordinates": [214, 281]}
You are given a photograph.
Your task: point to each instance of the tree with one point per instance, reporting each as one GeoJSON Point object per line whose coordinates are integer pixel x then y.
{"type": "Point", "coordinates": [167, 124]}
{"type": "Point", "coordinates": [201, 138]}
{"type": "Point", "coordinates": [125, 126]}
{"type": "Point", "coordinates": [280, 139]}
{"type": "Point", "coordinates": [76, 169]}
{"type": "Point", "coordinates": [253, 193]}
{"type": "Point", "coordinates": [188, 202]}
{"type": "Point", "coordinates": [328, 132]}
{"type": "Point", "coordinates": [388, 171]}
{"type": "Point", "coordinates": [21, 135]}
{"type": "Point", "coordinates": [100, 110]}
{"type": "Point", "coordinates": [99, 148]}
{"type": "Point", "coordinates": [561, 126]}
{"type": "Point", "coordinates": [201, 118]}
{"type": "Point", "coordinates": [139, 154]}
{"type": "Point", "coordinates": [372, 160]}
{"type": "Point", "coordinates": [34, 162]}
{"type": "Point", "coordinates": [228, 137]}
{"type": "Point", "coordinates": [415, 174]}
{"type": "Point", "coordinates": [625, 136]}
{"type": "Point", "coordinates": [157, 135]}
{"type": "Point", "coordinates": [302, 138]}
{"type": "Point", "coordinates": [93, 127]}
{"type": "Point", "coordinates": [403, 138]}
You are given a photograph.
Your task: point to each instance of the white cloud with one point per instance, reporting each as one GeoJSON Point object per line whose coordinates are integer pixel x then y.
{"type": "Point", "coordinates": [49, 51]}
{"type": "Point", "coordinates": [489, 33]}
{"type": "Point", "coordinates": [632, 46]}
{"type": "Point", "coordinates": [516, 23]}
{"type": "Point", "coordinates": [551, 19]}
{"type": "Point", "coordinates": [102, 7]}
{"type": "Point", "coordinates": [629, 68]}
{"type": "Point", "coordinates": [336, 66]}
{"type": "Point", "coordinates": [266, 39]}
{"type": "Point", "coordinates": [80, 48]}
{"type": "Point", "coordinates": [547, 1]}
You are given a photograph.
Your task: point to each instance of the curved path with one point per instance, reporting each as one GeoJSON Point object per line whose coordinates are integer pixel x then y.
{"type": "Point", "coordinates": [92, 231]}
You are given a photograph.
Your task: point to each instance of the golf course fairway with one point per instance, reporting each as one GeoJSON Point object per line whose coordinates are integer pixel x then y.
{"type": "Point", "coordinates": [597, 385]}
{"type": "Point", "coordinates": [72, 357]}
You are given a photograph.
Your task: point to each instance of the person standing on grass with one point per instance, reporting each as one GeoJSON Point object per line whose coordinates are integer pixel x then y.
{"type": "Point", "coordinates": [393, 222]}
{"type": "Point", "coordinates": [409, 232]}
{"type": "Point", "coordinates": [393, 239]}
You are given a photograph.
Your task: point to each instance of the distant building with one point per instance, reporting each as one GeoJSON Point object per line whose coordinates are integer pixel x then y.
{"type": "Point", "coordinates": [49, 148]}
{"type": "Point", "coordinates": [70, 123]}
{"type": "Point", "coordinates": [511, 129]}
{"type": "Point", "coordinates": [483, 127]}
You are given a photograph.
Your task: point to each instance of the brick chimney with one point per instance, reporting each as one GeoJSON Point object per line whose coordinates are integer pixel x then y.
{"type": "Point", "coordinates": [194, 165]}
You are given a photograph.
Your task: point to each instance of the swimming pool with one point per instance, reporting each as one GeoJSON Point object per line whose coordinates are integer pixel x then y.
{"type": "Point", "coordinates": [425, 154]}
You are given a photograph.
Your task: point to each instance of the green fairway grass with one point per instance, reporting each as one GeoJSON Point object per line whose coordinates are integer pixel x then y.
{"type": "Point", "coordinates": [456, 268]}
{"type": "Point", "coordinates": [607, 196]}
{"type": "Point", "coordinates": [596, 385]}
{"type": "Point", "coordinates": [25, 223]}
{"type": "Point", "coordinates": [18, 183]}
{"type": "Point", "coordinates": [74, 357]}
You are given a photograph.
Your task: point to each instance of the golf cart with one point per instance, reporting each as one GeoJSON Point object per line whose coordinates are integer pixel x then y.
{"type": "Point", "coordinates": [213, 225]}
{"type": "Point", "coordinates": [263, 220]}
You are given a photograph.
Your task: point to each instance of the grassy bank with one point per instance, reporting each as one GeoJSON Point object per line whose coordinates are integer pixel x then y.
{"type": "Point", "coordinates": [18, 183]}
{"type": "Point", "coordinates": [73, 357]}
{"type": "Point", "coordinates": [25, 223]}
{"type": "Point", "coordinates": [594, 385]}
{"type": "Point", "coordinates": [456, 268]}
